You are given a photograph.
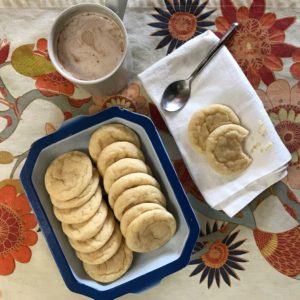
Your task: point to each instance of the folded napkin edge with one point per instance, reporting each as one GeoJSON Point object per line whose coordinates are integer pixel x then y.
{"type": "Point", "coordinates": [234, 207]}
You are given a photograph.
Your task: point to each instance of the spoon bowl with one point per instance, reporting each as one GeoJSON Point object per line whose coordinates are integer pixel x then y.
{"type": "Point", "coordinates": [175, 95]}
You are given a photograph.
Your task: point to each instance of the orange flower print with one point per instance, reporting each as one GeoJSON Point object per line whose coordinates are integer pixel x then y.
{"type": "Point", "coordinates": [258, 44]}
{"type": "Point", "coordinates": [4, 50]}
{"type": "Point", "coordinates": [130, 98]}
{"type": "Point", "coordinates": [222, 259]}
{"type": "Point", "coordinates": [180, 22]}
{"type": "Point", "coordinates": [52, 83]}
{"type": "Point", "coordinates": [16, 234]}
{"type": "Point", "coordinates": [281, 250]}
{"type": "Point", "coordinates": [295, 68]}
{"type": "Point", "coordinates": [133, 92]}
{"type": "Point", "coordinates": [283, 106]}
{"type": "Point", "coordinates": [41, 48]}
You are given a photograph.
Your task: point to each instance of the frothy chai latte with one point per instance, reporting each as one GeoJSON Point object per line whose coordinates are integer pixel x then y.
{"type": "Point", "coordinates": [90, 45]}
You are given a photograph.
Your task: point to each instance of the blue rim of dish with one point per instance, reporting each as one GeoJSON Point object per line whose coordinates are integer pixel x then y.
{"type": "Point", "coordinates": [147, 280]}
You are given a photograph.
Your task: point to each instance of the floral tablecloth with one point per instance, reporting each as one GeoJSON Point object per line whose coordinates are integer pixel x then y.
{"type": "Point", "coordinates": [255, 254]}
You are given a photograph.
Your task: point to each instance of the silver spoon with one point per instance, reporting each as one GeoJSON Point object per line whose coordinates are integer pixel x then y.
{"type": "Point", "coordinates": [177, 94]}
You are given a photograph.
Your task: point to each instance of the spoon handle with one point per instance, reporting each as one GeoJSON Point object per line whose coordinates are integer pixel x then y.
{"type": "Point", "coordinates": [214, 50]}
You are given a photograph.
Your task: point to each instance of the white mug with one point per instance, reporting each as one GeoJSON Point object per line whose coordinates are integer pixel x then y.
{"type": "Point", "coordinates": [110, 83]}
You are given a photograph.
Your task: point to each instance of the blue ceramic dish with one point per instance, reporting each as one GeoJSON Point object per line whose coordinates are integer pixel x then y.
{"type": "Point", "coordinates": [147, 269]}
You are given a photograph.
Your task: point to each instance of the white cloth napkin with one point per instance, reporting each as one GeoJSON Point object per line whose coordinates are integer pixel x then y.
{"type": "Point", "coordinates": [223, 82]}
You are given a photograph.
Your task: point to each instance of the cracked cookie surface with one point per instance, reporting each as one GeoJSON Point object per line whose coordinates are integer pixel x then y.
{"type": "Point", "coordinates": [68, 175]}
{"type": "Point", "coordinates": [134, 212]}
{"type": "Point", "coordinates": [224, 149]}
{"type": "Point", "coordinates": [113, 268]}
{"type": "Point", "coordinates": [116, 151]}
{"type": "Point", "coordinates": [89, 228]}
{"type": "Point", "coordinates": [206, 120]}
{"type": "Point", "coordinates": [129, 181]}
{"type": "Point", "coordinates": [121, 168]}
{"type": "Point", "coordinates": [99, 240]}
{"type": "Point", "coordinates": [137, 195]}
{"type": "Point", "coordinates": [150, 230]}
{"type": "Point", "coordinates": [82, 198]}
{"type": "Point", "coordinates": [105, 252]}
{"type": "Point", "coordinates": [82, 213]}
{"type": "Point", "coordinates": [108, 134]}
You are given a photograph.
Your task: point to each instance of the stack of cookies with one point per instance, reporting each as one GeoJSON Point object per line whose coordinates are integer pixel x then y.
{"type": "Point", "coordinates": [133, 193]}
{"type": "Point", "coordinates": [73, 185]}
{"type": "Point", "coordinates": [216, 131]}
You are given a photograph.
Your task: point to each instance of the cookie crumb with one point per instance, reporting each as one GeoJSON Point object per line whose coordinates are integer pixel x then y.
{"type": "Point", "coordinates": [269, 146]}
{"type": "Point", "coordinates": [262, 129]}
{"type": "Point", "coordinates": [255, 147]}
{"type": "Point", "coordinates": [266, 147]}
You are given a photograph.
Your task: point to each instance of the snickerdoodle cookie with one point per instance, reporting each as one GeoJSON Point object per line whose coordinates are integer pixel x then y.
{"type": "Point", "coordinates": [79, 214]}
{"type": "Point", "coordinates": [99, 240]}
{"type": "Point", "coordinates": [68, 175]}
{"type": "Point", "coordinates": [89, 228]}
{"type": "Point", "coordinates": [108, 134]}
{"type": "Point", "coordinates": [137, 195]}
{"type": "Point", "coordinates": [206, 120]}
{"type": "Point", "coordinates": [150, 230]}
{"type": "Point", "coordinates": [105, 252]}
{"type": "Point", "coordinates": [121, 168]}
{"type": "Point", "coordinates": [113, 268]}
{"type": "Point", "coordinates": [224, 149]}
{"type": "Point", "coordinates": [85, 196]}
{"type": "Point", "coordinates": [134, 212]}
{"type": "Point", "coordinates": [127, 182]}
{"type": "Point", "coordinates": [116, 151]}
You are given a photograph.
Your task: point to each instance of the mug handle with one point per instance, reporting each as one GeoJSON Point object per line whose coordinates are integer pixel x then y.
{"type": "Point", "coordinates": [118, 6]}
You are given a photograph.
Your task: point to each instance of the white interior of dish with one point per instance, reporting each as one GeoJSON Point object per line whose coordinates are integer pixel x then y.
{"type": "Point", "coordinates": [143, 263]}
